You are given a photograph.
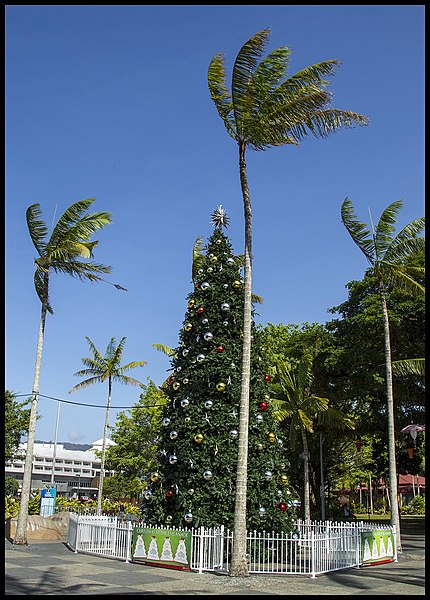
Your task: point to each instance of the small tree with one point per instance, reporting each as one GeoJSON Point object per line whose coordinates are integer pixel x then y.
{"type": "Point", "coordinates": [106, 368]}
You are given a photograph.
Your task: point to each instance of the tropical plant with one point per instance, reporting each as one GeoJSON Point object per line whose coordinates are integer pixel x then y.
{"type": "Point", "coordinates": [387, 254]}
{"type": "Point", "coordinates": [69, 243]}
{"type": "Point", "coordinates": [266, 109]}
{"type": "Point", "coordinates": [293, 400]}
{"type": "Point", "coordinates": [16, 419]}
{"type": "Point", "coordinates": [106, 368]}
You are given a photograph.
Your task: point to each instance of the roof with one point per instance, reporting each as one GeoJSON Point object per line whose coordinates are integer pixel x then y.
{"type": "Point", "coordinates": [46, 450]}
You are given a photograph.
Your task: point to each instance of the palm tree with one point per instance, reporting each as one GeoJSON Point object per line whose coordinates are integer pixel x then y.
{"type": "Point", "coordinates": [386, 254]}
{"type": "Point", "coordinates": [294, 401]}
{"type": "Point", "coordinates": [263, 110]}
{"type": "Point", "coordinates": [70, 241]}
{"type": "Point", "coordinates": [99, 369]}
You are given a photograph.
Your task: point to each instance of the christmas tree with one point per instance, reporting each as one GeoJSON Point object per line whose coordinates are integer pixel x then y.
{"type": "Point", "coordinates": [194, 483]}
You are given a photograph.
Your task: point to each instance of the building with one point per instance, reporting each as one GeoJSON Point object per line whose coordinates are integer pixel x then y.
{"type": "Point", "coordinates": [76, 472]}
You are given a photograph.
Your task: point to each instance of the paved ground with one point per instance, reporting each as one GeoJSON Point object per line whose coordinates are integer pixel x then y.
{"type": "Point", "coordinates": [53, 569]}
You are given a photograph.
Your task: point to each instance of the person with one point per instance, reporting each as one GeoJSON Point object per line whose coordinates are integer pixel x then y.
{"type": "Point", "coordinates": [121, 511]}
{"type": "Point", "coordinates": [346, 511]}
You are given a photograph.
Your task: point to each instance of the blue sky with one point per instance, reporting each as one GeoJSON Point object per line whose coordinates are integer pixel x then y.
{"type": "Point", "coordinates": [112, 102]}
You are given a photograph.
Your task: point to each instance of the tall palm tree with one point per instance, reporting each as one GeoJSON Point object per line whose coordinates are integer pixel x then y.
{"type": "Point", "coordinates": [386, 253]}
{"type": "Point", "coordinates": [106, 368]}
{"type": "Point", "coordinates": [70, 241]}
{"type": "Point", "coordinates": [263, 110]}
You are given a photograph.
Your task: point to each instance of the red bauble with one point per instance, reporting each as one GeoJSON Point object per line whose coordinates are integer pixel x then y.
{"type": "Point", "coordinates": [263, 405]}
{"type": "Point", "coordinates": [171, 379]}
{"type": "Point", "coordinates": [201, 310]}
{"type": "Point", "coordinates": [282, 506]}
{"type": "Point", "coordinates": [220, 349]}
{"type": "Point", "coordinates": [267, 378]}
{"type": "Point", "coordinates": [169, 494]}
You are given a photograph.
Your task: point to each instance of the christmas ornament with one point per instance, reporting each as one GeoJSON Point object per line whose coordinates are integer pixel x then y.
{"type": "Point", "coordinates": [268, 475]}
{"type": "Point", "coordinates": [191, 303]}
{"type": "Point", "coordinates": [271, 437]}
{"type": "Point", "coordinates": [169, 494]}
{"type": "Point", "coordinates": [166, 421]}
{"type": "Point", "coordinates": [185, 381]}
{"type": "Point", "coordinates": [284, 479]}
{"type": "Point", "coordinates": [207, 474]}
{"type": "Point", "coordinates": [219, 217]}
{"type": "Point", "coordinates": [205, 321]}
{"type": "Point", "coordinates": [233, 433]}
{"type": "Point", "coordinates": [220, 386]}
{"type": "Point", "coordinates": [155, 476]}
{"type": "Point", "coordinates": [200, 271]}
{"type": "Point", "coordinates": [185, 402]}
{"type": "Point", "coordinates": [225, 306]}
{"type": "Point", "coordinates": [171, 379]}
{"type": "Point", "coordinates": [259, 447]}
{"type": "Point", "coordinates": [262, 511]}
{"type": "Point", "coordinates": [185, 352]}
{"type": "Point", "coordinates": [205, 286]}
{"type": "Point", "coordinates": [213, 258]}
{"type": "Point", "coordinates": [169, 518]}
{"type": "Point", "coordinates": [225, 323]}
{"type": "Point", "coordinates": [148, 494]}
{"type": "Point", "coordinates": [173, 459]}
{"type": "Point", "coordinates": [230, 261]}
{"type": "Point", "coordinates": [208, 336]}
{"type": "Point", "coordinates": [280, 442]}
{"type": "Point", "coordinates": [259, 419]}
{"type": "Point", "coordinates": [282, 506]}
{"type": "Point", "coordinates": [267, 378]}
{"type": "Point", "coordinates": [200, 310]}
{"type": "Point", "coordinates": [236, 284]}
{"type": "Point", "coordinates": [279, 493]}
{"type": "Point", "coordinates": [225, 285]}
{"type": "Point", "coordinates": [208, 403]}
{"type": "Point", "coordinates": [188, 517]}
{"type": "Point", "coordinates": [188, 326]}
{"type": "Point", "coordinates": [173, 435]}
{"type": "Point", "coordinates": [220, 349]}
{"type": "Point", "coordinates": [210, 269]}
{"type": "Point", "coordinates": [200, 358]}
{"type": "Point", "coordinates": [198, 438]}
{"type": "Point", "coordinates": [191, 491]}
{"type": "Point", "coordinates": [263, 405]}
{"type": "Point", "coordinates": [176, 385]}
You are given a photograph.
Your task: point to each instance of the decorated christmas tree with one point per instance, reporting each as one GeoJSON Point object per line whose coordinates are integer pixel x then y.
{"type": "Point", "coordinates": [194, 483]}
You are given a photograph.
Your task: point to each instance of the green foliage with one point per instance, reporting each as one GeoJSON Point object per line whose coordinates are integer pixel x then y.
{"type": "Point", "coordinates": [417, 506]}
{"type": "Point", "coordinates": [120, 486]}
{"type": "Point", "coordinates": [201, 419]}
{"type": "Point", "coordinates": [16, 418]}
{"type": "Point", "coordinates": [11, 486]}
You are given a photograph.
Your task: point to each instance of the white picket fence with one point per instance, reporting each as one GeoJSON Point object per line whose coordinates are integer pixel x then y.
{"type": "Point", "coordinates": [316, 548]}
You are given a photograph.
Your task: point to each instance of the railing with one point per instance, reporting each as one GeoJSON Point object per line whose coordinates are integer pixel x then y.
{"type": "Point", "coordinates": [316, 548]}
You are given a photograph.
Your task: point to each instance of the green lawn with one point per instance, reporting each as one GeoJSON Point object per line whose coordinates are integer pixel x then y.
{"type": "Point", "coordinates": [386, 518]}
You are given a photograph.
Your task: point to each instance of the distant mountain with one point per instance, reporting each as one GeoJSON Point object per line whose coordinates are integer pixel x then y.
{"type": "Point", "coordinates": [68, 445]}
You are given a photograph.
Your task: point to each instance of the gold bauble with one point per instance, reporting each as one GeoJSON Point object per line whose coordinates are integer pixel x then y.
{"type": "Point", "coordinates": [220, 386]}
{"type": "Point", "coordinates": [155, 476]}
{"type": "Point", "coordinates": [284, 479]}
{"type": "Point", "coordinates": [188, 326]}
{"type": "Point", "coordinates": [176, 385]}
{"type": "Point", "coordinates": [198, 438]}
{"type": "Point", "coordinates": [191, 303]}
{"type": "Point", "coordinates": [236, 284]}
{"type": "Point", "coordinates": [271, 437]}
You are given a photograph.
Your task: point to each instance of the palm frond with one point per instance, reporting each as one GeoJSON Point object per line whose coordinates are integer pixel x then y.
{"type": "Point", "coordinates": [219, 92]}
{"type": "Point", "coordinates": [242, 77]}
{"type": "Point", "coordinates": [198, 257]}
{"type": "Point", "coordinates": [407, 241]}
{"type": "Point", "coordinates": [358, 231]}
{"type": "Point", "coordinates": [385, 228]}
{"type": "Point", "coordinates": [37, 228]}
{"type": "Point", "coordinates": [165, 349]}
{"type": "Point", "coordinates": [411, 366]}
{"type": "Point", "coordinates": [402, 276]}
{"type": "Point", "coordinates": [41, 291]}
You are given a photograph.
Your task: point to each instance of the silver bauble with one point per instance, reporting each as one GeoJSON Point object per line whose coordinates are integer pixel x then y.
{"type": "Point", "coordinates": [173, 459]}
{"type": "Point", "coordinates": [207, 474]}
{"type": "Point", "coordinates": [188, 517]}
{"type": "Point", "coordinates": [205, 286]}
{"type": "Point", "coordinates": [259, 419]}
{"type": "Point", "coordinates": [200, 358]}
{"type": "Point", "coordinates": [230, 261]}
{"type": "Point", "coordinates": [173, 435]}
{"type": "Point", "coordinates": [225, 306]}
{"type": "Point", "coordinates": [166, 421]}
{"type": "Point", "coordinates": [208, 336]}
{"type": "Point", "coordinates": [185, 402]}
{"type": "Point", "coordinates": [268, 475]}
{"type": "Point", "coordinates": [205, 321]}
{"type": "Point", "coordinates": [148, 494]}
{"type": "Point", "coordinates": [262, 511]}
{"type": "Point", "coordinates": [208, 403]}
{"type": "Point", "coordinates": [233, 433]}
{"type": "Point", "coordinates": [185, 352]}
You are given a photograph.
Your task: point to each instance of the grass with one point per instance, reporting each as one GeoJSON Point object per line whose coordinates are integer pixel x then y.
{"type": "Point", "coordinates": [386, 518]}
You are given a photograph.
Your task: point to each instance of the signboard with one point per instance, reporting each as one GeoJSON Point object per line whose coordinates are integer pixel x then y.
{"type": "Point", "coordinates": [47, 501]}
{"type": "Point", "coordinates": [377, 546]}
{"type": "Point", "coordinates": [162, 547]}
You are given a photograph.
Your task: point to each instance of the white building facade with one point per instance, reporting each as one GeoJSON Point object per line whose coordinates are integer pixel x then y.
{"type": "Point", "coordinates": [75, 473]}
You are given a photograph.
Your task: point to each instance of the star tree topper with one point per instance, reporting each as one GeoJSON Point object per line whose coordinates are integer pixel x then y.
{"type": "Point", "coordinates": [219, 217]}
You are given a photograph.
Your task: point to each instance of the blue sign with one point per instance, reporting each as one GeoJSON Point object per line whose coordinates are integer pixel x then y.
{"type": "Point", "coordinates": [48, 497]}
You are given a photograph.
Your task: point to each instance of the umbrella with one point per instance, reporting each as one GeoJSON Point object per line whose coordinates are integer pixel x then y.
{"type": "Point", "coordinates": [413, 429]}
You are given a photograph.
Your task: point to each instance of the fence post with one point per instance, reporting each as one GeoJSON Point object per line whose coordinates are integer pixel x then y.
{"type": "Point", "coordinates": [78, 530]}
{"type": "Point", "coordinates": [129, 541]}
{"type": "Point", "coordinates": [313, 553]}
{"type": "Point", "coordinates": [201, 550]}
{"type": "Point", "coordinates": [358, 546]}
{"type": "Point", "coordinates": [395, 542]}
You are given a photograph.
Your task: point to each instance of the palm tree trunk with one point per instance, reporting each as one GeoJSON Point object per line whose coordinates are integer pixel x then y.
{"type": "Point", "coordinates": [306, 493]}
{"type": "Point", "coordinates": [21, 527]}
{"type": "Point", "coordinates": [395, 520]}
{"type": "Point", "coordinates": [239, 566]}
{"type": "Point", "coordinates": [102, 465]}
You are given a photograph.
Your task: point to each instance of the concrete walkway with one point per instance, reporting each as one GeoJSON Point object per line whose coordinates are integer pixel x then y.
{"type": "Point", "coordinates": [53, 569]}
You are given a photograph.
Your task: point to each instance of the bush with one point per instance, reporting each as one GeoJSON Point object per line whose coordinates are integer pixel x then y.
{"type": "Point", "coordinates": [416, 507]}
